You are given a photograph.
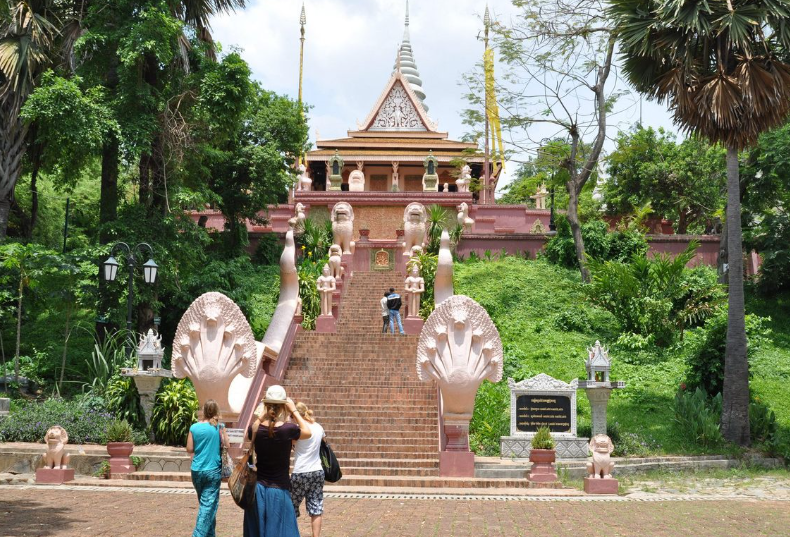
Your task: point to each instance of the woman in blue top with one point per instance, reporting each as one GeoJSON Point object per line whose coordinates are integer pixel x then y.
{"type": "Point", "coordinates": [203, 444]}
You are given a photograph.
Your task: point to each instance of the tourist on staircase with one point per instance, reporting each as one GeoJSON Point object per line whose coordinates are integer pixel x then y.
{"type": "Point", "coordinates": [272, 512]}
{"type": "Point", "coordinates": [203, 445]}
{"type": "Point", "coordinates": [307, 479]}
{"type": "Point", "coordinates": [394, 304]}
{"type": "Point", "coordinates": [385, 313]}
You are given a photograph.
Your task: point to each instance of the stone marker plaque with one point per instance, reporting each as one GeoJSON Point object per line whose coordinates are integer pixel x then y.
{"type": "Point", "coordinates": [534, 411]}
{"type": "Point", "coordinates": [543, 400]}
{"type": "Point", "coordinates": [235, 436]}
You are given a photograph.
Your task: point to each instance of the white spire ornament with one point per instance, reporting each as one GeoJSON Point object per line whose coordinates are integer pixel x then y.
{"type": "Point", "coordinates": [406, 64]}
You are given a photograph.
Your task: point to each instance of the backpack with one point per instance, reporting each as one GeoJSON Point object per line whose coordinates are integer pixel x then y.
{"type": "Point", "coordinates": [393, 301]}
{"type": "Point", "coordinates": [329, 463]}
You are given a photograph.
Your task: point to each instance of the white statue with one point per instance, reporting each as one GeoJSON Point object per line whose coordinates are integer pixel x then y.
{"type": "Point", "coordinates": [414, 219]}
{"type": "Point", "coordinates": [463, 217]}
{"type": "Point", "coordinates": [356, 181]}
{"type": "Point", "coordinates": [459, 348]}
{"type": "Point", "coordinates": [297, 222]}
{"type": "Point", "coordinates": [446, 187]}
{"type": "Point", "coordinates": [55, 457]}
{"type": "Point", "coordinates": [213, 344]}
{"type": "Point", "coordinates": [395, 176]}
{"type": "Point", "coordinates": [335, 258]}
{"type": "Point", "coordinates": [602, 465]}
{"type": "Point", "coordinates": [415, 287]}
{"type": "Point", "coordinates": [540, 197]}
{"type": "Point", "coordinates": [305, 183]}
{"type": "Point", "coordinates": [343, 226]}
{"type": "Point", "coordinates": [463, 180]}
{"type": "Point", "coordinates": [326, 285]}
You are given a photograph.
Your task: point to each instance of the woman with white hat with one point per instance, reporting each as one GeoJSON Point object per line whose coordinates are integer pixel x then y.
{"type": "Point", "coordinates": [272, 513]}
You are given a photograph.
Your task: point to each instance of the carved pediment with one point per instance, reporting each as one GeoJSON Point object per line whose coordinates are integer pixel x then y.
{"type": "Point", "coordinates": [542, 382]}
{"type": "Point", "coordinates": [398, 109]}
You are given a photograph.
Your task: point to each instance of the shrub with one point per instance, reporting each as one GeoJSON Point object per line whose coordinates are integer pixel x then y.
{"type": "Point", "coordinates": [698, 416]}
{"type": "Point", "coordinates": [268, 250]}
{"type": "Point", "coordinates": [542, 439]}
{"type": "Point", "coordinates": [124, 401]}
{"type": "Point", "coordinates": [762, 421]}
{"type": "Point", "coordinates": [119, 431]}
{"type": "Point", "coordinates": [599, 243]}
{"type": "Point", "coordinates": [31, 421]}
{"type": "Point", "coordinates": [175, 410]}
{"type": "Point", "coordinates": [706, 359]}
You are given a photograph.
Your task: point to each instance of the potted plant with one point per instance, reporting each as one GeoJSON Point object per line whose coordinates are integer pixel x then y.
{"type": "Point", "coordinates": [120, 447]}
{"type": "Point", "coordinates": [542, 456]}
{"type": "Point", "coordinates": [364, 230]}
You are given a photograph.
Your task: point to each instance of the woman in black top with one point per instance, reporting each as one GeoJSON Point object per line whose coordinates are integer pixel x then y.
{"type": "Point", "coordinates": [272, 513]}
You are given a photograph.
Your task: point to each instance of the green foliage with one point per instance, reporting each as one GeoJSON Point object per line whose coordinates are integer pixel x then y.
{"type": "Point", "coordinates": [542, 439]}
{"type": "Point", "coordinates": [308, 271]}
{"type": "Point", "coordinates": [655, 296]}
{"type": "Point", "coordinates": [599, 243]}
{"type": "Point", "coordinates": [124, 401]}
{"type": "Point", "coordinates": [706, 357]}
{"type": "Point", "coordinates": [119, 431]}
{"type": "Point", "coordinates": [84, 423]}
{"type": "Point", "coordinates": [315, 239]}
{"type": "Point", "coordinates": [175, 410]}
{"type": "Point", "coordinates": [682, 182]}
{"type": "Point", "coordinates": [762, 421]}
{"type": "Point", "coordinates": [697, 416]}
{"type": "Point", "coordinates": [268, 250]}
{"type": "Point", "coordinates": [107, 357]}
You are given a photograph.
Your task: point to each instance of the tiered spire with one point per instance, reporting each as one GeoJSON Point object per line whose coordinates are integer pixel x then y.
{"type": "Point", "coordinates": [406, 65]}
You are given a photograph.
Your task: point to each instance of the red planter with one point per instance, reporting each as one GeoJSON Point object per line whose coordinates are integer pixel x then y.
{"type": "Point", "coordinates": [119, 452]}
{"type": "Point", "coordinates": [364, 232]}
{"type": "Point", "coordinates": [399, 232]}
{"type": "Point", "coordinates": [542, 470]}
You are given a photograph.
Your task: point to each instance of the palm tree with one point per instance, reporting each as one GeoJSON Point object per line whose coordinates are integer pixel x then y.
{"type": "Point", "coordinates": [722, 68]}
{"type": "Point", "coordinates": [30, 33]}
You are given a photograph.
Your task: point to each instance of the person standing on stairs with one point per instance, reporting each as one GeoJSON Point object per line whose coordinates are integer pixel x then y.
{"type": "Point", "coordinates": [394, 304]}
{"type": "Point", "coordinates": [307, 478]}
{"type": "Point", "coordinates": [385, 313]}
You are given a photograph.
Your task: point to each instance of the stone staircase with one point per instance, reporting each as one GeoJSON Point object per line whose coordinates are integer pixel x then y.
{"type": "Point", "coordinates": [380, 420]}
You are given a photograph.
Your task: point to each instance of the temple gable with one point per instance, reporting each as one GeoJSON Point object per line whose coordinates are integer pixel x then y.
{"type": "Point", "coordinates": [398, 112]}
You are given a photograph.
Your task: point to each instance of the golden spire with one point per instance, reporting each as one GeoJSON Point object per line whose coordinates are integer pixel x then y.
{"type": "Point", "coordinates": [302, 22]}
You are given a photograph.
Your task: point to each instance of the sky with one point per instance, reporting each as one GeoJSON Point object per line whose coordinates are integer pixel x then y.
{"type": "Point", "coordinates": [350, 48]}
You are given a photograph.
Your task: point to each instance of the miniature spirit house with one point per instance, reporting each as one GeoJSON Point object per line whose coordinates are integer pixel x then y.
{"type": "Point", "coordinates": [150, 352]}
{"type": "Point", "coordinates": [598, 364]}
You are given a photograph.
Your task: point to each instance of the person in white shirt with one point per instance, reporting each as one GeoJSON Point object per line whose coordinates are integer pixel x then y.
{"type": "Point", "coordinates": [307, 479]}
{"type": "Point", "coordinates": [385, 313]}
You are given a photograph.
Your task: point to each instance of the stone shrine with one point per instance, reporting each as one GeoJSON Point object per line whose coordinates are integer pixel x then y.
{"type": "Point", "coordinates": [148, 374]}
{"type": "Point", "coordinates": [543, 400]}
{"type": "Point", "coordinates": [598, 386]}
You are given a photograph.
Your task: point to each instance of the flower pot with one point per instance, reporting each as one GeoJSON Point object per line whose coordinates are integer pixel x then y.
{"type": "Point", "coordinates": [120, 462]}
{"type": "Point", "coordinates": [399, 232]}
{"type": "Point", "coordinates": [364, 232]}
{"type": "Point", "coordinates": [542, 470]}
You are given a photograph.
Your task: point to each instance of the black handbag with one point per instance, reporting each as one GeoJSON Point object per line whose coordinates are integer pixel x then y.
{"type": "Point", "coordinates": [332, 472]}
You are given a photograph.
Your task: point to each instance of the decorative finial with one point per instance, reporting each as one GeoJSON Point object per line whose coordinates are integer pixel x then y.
{"type": "Point", "coordinates": [303, 17]}
{"type": "Point", "coordinates": [486, 17]}
{"type": "Point", "coordinates": [407, 12]}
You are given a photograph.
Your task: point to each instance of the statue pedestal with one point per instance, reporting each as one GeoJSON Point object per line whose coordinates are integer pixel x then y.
{"type": "Point", "coordinates": [430, 183]}
{"type": "Point", "coordinates": [147, 383]}
{"type": "Point", "coordinates": [335, 181]}
{"type": "Point", "coordinates": [54, 476]}
{"type": "Point", "coordinates": [456, 464]}
{"type": "Point", "coordinates": [412, 325]}
{"type": "Point", "coordinates": [325, 324]}
{"type": "Point", "coordinates": [599, 400]}
{"type": "Point", "coordinates": [600, 486]}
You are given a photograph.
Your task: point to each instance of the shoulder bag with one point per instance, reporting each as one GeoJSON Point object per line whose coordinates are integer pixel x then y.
{"type": "Point", "coordinates": [224, 456]}
{"type": "Point", "coordinates": [244, 478]}
{"type": "Point", "coordinates": [332, 472]}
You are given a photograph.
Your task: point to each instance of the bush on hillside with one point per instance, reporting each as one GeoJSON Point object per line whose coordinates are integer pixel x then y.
{"type": "Point", "coordinates": [706, 358]}
{"type": "Point", "coordinates": [698, 416]}
{"type": "Point", "coordinates": [599, 243]}
{"type": "Point", "coordinates": [656, 297]}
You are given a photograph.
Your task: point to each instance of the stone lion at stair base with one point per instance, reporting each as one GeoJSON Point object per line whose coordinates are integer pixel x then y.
{"type": "Point", "coordinates": [601, 466]}
{"type": "Point", "coordinates": [55, 456]}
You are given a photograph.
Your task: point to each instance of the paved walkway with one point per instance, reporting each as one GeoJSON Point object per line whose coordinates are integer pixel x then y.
{"type": "Point", "coordinates": [78, 511]}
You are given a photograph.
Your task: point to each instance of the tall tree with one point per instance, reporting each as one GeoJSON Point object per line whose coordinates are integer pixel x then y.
{"type": "Point", "coordinates": [559, 55]}
{"type": "Point", "coordinates": [32, 33]}
{"type": "Point", "coordinates": [683, 182]}
{"type": "Point", "coordinates": [722, 66]}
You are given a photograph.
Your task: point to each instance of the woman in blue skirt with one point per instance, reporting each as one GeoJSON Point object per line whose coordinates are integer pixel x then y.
{"type": "Point", "coordinates": [272, 512]}
{"type": "Point", "coordinates": [203, 443]}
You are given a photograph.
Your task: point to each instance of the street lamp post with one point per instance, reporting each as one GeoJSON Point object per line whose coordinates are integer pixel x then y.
{"type": "Point", "coordinates": [133, 256]}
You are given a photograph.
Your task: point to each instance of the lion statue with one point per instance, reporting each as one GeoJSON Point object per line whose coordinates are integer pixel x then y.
{"type": "Point", "coordinates": [356, 181]}
{"type": "Point", "coordinates": [56, 440]}
{"type": "Point", "coordinates": [414, 218]}
{"type": "Point", "coordinates": [305, 183]}
{"type": "Point", "coordinates": [343, 226]}
{"type": "Point", "coordinates": [463, 217]}
{"type": "Point", "coordinates": [335, 259]}
{"type": "Point", "coordinates": [601, 448]}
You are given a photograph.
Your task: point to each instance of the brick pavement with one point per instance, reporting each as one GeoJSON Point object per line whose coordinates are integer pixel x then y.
{"type": "Point", "coordinates": [30, 512]}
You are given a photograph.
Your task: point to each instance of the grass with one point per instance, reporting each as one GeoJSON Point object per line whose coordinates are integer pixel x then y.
{"type": "Point", "coordinates": [546, 324]}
